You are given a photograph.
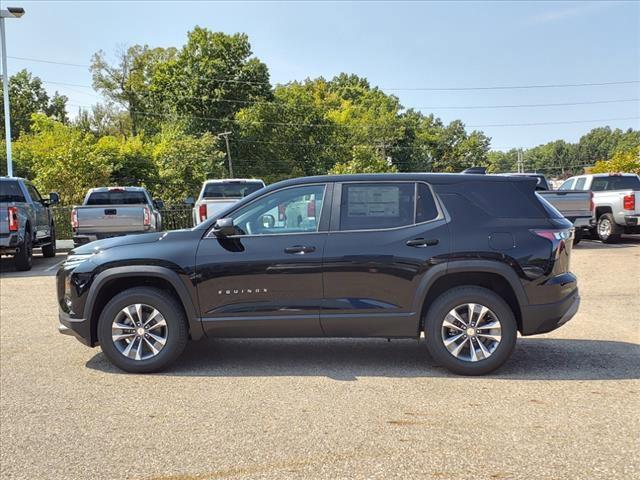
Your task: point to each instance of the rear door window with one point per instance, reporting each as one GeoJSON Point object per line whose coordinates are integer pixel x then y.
{"type": "Point", "coordinates": [10, 191]}
{"type": "Point", "coordinates": [379, 205]}
{"type": "Point", "coordinates": [580, 183]}
{"type": "Point", "coordinates": [117, 197]}
{"type": "Point", "coordinates": [567, 185]}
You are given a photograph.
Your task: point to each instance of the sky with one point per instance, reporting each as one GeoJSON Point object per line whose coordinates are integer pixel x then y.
{"type": "Point", "coordinates": [409, 49]}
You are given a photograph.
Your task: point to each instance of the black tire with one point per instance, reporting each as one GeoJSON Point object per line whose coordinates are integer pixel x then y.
{"type": "Point", "coordinates": [49, 250]}
{"type": "Point", "coordinates": [177, 332]}
{"type": "Point", "coordinates": [24, 257]}
{"type": "Point", "coordinates": [607, 230]}
{"type": "Point", "coordinates": [454, 298]}
{"type": "Point", "coordinates": [577, 237]}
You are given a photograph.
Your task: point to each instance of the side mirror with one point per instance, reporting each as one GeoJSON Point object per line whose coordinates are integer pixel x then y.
{"type": "Point", "coordinates": [224, 227]}
{"type": "Point", "coordinates": [190, 201]}
{"type": "Point", "coordinates": [54, 198]}
{"type": "Point", "coordinates": [158, 203]}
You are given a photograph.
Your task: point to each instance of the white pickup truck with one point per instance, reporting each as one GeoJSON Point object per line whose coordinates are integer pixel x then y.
{"type": "Point", "coordinates": [616, 197]}
{"type": "Point", "coordinates": [217, 195]}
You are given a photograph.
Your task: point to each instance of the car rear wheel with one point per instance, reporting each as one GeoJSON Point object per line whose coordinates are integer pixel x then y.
{"type": "Point", "coordinates": [142, 330]}
{"type": "Point", "coordinates": [607, 229]}
{"type": "Point", "coordinates": [24, 257]}
{"type": "Point", "coordinates": [470, 330]}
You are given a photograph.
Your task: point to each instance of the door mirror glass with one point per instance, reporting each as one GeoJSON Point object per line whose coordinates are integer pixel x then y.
{"type": "Point", "coordinates": [158, 203]}
{"type": "Point", "coordinates": [267, 221]}
{"type": "Point", "coordinates": [190, 201]}
{"type": "Point", "coordinates": [54, 198]}
{"type": "Point", "coordinates": [224, 227]}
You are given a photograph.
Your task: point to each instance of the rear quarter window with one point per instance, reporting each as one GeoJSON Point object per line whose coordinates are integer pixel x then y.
{"type": "Point", "coordinates": [468, 201]}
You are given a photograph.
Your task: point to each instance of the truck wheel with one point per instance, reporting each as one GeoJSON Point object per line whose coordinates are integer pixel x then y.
{"type": "Point", "coordinates": [577, 237]}
{"type": "Point", "coordinates": [142, 330]}
{"type": "Point", "coordinates": [49, 250]}
{"type": "Point", "coordinates": [607, 229]}
{"type": "Point", "coordinates": [470, 330]}
{"type": "Point", "coordinates": [24, 258]}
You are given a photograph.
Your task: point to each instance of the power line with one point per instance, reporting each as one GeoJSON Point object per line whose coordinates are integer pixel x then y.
{"type": "Point", "coordinates": [487, 87]}
{"type": "Point", "coordinates": [334, 125]}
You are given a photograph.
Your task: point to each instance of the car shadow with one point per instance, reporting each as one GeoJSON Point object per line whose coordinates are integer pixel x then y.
{"type": "Point", "coordinates": [626, 241]}
{"type": "Point", "coordinates": [350, 359]}
{"type": "Point", "coordinates": [41, 266]}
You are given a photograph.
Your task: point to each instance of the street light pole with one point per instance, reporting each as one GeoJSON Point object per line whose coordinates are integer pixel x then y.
{"type": "Point", "coordinates": [10, 12]}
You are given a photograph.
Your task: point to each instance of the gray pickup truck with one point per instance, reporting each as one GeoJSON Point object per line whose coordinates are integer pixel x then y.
{"type": "Point", "coordinates": [115, 211]}
{"type": "Point", "coordinates": [575, 206]}
{"type": "Point", "coordinates": [26, 221]}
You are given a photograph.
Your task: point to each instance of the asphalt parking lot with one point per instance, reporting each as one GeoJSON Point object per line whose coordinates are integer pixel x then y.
{"type": "Point", "coordinates": [566, 406]}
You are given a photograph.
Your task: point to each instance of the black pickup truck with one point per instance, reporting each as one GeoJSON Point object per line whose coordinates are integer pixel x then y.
{"type": "Point", "coordinates": [468, 260]}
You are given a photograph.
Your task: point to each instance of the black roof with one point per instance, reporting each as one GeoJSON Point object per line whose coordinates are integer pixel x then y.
{"type": "Point", "coordinates": [432, 178]}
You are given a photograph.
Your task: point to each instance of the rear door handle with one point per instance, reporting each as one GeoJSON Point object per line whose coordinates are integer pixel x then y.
{"type": "Point", "coordinates": [421, 242]}
{"type": "Point", "coordinates": [299, 250]}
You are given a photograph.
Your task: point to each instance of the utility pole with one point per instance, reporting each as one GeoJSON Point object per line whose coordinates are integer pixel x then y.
{"type": "Point", "coordinates": [226, 140]}
{"type": "Point", "coordinates": [520, 161]}
{"type": "Point", "coordinates": [10, 12]}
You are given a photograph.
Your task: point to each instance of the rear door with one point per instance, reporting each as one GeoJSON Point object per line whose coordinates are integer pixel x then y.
{"type": "Point", "coordinates": [384, 236]}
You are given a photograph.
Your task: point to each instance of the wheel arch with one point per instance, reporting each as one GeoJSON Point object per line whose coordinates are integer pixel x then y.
{"type": "Point", "coordinates": [601, 210]}
{"type": "Point", "coordinates": [109, 283]}
{"type": "Point", "coordinates": [493, 275]}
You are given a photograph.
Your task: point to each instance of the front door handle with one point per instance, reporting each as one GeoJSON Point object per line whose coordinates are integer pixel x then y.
{"type": "Point", "coordinates": [299, 250]}
{"type": "Point", "coordinates": [422, 242]}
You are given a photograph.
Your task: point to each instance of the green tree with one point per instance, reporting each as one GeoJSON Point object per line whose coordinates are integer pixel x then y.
{"type": "Point", "coordinates": [211, 78]}
{"type": "Point", "coordinates": [27, 96]}
{"type": "Point", "coordinates": [621, 162]}
{"type": "Point", "coordinates": [365, 160]}
{"type": "Point", "coordinates": [61, 158]}
{"type": "Point", "coordinates": [128, 81]}
{"type": "Point", "coordinates": [183, 162]}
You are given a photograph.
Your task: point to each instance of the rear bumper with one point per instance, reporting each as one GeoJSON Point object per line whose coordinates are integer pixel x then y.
{"type": "Point", "coordinates": [549, 316]}
{"type": "Point", "coordinates": [9, 243]}
{"type": "Point", "coordinates": [76, 327]}
{"type": "Point", "coordinates": [632, 220]}
{"type": "Point", "coordinates": [84, 238]}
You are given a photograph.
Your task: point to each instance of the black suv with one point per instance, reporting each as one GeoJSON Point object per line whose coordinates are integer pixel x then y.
{"type": "Point", "coordinates": [468, 260]}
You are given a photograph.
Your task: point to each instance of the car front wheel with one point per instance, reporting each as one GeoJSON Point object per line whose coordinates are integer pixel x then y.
{"type": "Point", "coordinates": [470, 330]}
{"type": "Point", "coordinates": [142, 330]}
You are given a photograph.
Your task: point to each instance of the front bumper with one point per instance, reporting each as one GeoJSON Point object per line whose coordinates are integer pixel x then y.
{"type": "Point", "coordinates": [549, 316]}
{"type": "Point", "coordinates": [76, 327]}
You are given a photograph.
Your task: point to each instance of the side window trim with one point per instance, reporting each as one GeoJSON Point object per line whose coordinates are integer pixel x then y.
{"type": "Point", "coordinates": [322, 224]}
{"type": "Point", "coordinates": [334, 226]}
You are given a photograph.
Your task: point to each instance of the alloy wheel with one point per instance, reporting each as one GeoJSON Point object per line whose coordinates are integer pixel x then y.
{"type": "Point", "coordinates": [604, 227]}
{"type": "Point", "coordinates": [139, 331]}
{"type": "Point", "coordinates": [471, 332]}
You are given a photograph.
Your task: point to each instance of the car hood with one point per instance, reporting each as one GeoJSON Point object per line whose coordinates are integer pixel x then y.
{"type": "Point", "coordinates": [108, 243]}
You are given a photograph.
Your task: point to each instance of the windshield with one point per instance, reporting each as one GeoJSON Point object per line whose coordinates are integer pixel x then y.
{"type": "Point", "coordinates": [117, 197]}
{"type": "Point", "coordinates": [10, 192]}
{"type": "Point", "coordinates": [230, 190]}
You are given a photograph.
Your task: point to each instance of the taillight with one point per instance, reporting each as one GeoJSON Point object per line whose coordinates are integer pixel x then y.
{"type": "Point", "coordinates": [202, 212]}
{"type": "Point", "coordinates": [74, 219]}
{"type": "Point", "coordinates": [146, 219]}
{"type": "Point", "coordinates": [553, 235]}
{"type": "Point", "coordinates": [629, 202]}
{"type": "Point", "coordinates": [13, 219]}
{"type": "Point", "coordinates": [592, 205]}
{"type": "Point", "coordinates": [311, 209]}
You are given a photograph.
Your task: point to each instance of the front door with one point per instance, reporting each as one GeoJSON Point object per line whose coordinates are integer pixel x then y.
{"type": "Point", "coordinates": [41, 213]}
{"type": "Point", "coordinates": [266, 281]}
{"type": "Point", "coordinates": [384, 237]}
